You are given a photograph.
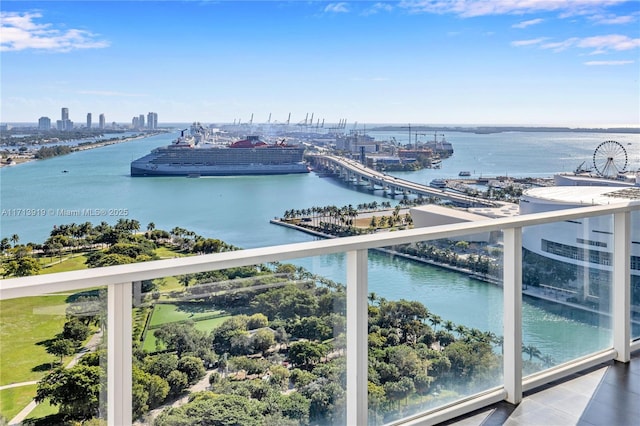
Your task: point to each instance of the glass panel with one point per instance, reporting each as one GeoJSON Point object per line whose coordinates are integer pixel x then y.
{"type": "Point", "coordinates": [52, 351]}
{"type": "Point", "coordinates": [435, 324]}
{"type": "Point", "coordinates": [567, 270]}
{"type": "Point", "coordinates": [635, 275]}
{"type": "Point", "coordinates": [262, 343]}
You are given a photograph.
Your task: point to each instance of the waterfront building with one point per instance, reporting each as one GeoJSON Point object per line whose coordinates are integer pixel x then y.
{"type": "Point", "coordinates": [583, 247]}
{"type": "Point", "coordinates": [65, 114]}
{"type": "Point", "coordinates": [356, 142]}
{"type": "Point", "coordinates": [152, 120]}
{"type": "Point", "coordinates": [434, 215]}
{"type": "Point", "coordinates": [135, 123]}
{"type": "Point", "coordinates": [88, 120]}
{"type": "Point", "coordinates": [64, 125]}
{"type": "Point", "coordinates": [102, 120]}
{"type": "Point", "coordinates": [141, 121]}
{"type": "Point", "coordinates": [44, 123]}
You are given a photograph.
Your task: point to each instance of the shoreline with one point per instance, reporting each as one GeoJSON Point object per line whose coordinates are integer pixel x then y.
{"type": "Point", "coordinates": [93, 145]}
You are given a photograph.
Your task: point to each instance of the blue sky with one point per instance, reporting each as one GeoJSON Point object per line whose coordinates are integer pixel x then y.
{"type": "Point", "coordinates": [505, 62]}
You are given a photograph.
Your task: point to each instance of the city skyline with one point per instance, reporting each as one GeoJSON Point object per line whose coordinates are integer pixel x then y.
{"type": "Point", "coordinates": [550, 63]}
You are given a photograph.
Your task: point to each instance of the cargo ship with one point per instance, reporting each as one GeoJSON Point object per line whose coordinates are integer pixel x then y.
{"type": "Point", "coordinates": [189, 155]}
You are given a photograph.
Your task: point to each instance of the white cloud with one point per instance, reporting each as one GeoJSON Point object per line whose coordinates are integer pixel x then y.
{"type": "Point", "coordinates": [613, 19]}
{"type": "Point", "coordinates": [378, 7]}
{"type": "Point", "coordinates": [525, 24]}
{"type": "Point", "coordinates": [337, 8]}
{"type": "Point", "coordinates": [20, 32]}
{"type": "Point", "coordinates": [470, 8]}
{"type": "Point", "coordinates": [528, 42]}
{"type": "Point", "coordinates": [598, 44]}
{"type": "Point", "coordinates": [610, 42]}
{"type": "Point", "coordinates": [559, 46]}
{"type": "Point", "coordinates": [597, 63]}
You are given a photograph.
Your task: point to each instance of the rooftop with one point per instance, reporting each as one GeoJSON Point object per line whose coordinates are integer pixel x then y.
{"type": "Point", "coordinates": [588, 195]}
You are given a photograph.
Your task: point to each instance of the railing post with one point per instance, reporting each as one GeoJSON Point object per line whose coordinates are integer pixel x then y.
{"type": "Point", "coordinates": [119, 355]}
{"type": "Point", "coordinates": [621, 284]}
{"type": "Point", "coordinates": [357, 337]}
{"type": "Point", "coordinates": [512, 317]}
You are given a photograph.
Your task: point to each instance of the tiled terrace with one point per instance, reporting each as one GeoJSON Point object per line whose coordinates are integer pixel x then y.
{"type": "Point", "coordinates": [608, 394]}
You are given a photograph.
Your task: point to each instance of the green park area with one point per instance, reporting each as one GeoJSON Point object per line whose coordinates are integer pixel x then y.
{"type": "Point", "coordinates": [26, 324]}
{"type": "Point", "coordinates": [205, 317]}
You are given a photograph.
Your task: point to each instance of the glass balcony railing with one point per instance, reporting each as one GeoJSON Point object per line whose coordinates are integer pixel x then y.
{"type": "Point", "coordinates": [420, 325]}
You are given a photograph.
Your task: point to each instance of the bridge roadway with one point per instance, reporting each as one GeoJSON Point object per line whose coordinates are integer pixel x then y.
{"type": "Point", "coordinates": [354, 172]}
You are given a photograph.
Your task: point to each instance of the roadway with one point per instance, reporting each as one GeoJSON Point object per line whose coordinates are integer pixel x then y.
{"type": "Point", "coordinates": [353, 169]}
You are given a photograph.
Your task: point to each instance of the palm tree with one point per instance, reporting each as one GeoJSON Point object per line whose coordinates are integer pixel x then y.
{"type": "Point", "coordinates": [461, 330]}
{"type": "Point", "coordinates": [4, 245]}
{"type": "Point", "coordinates": [449, 325]}
{"type": "Point", "coordinates": [435, 320]}
{"type": "Point", "coordinates": [14, 239]}
{"type": "Point", "coordinates": [373, 297]}
{"type": "Point", "coordinates": [531, 351]}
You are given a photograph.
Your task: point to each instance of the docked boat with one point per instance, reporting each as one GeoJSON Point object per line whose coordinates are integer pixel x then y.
{"type": "Point", "coordinates": [190, 156]}
{"type": "Point", "coordinates": [464, 173]}
{"type": "Point", "coordinates": [438, 183]}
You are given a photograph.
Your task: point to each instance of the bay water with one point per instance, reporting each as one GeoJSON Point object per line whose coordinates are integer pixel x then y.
{"type": "Point", "coordinates": [94, 185]}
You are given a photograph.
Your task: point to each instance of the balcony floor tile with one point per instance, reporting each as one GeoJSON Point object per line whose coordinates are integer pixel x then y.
{"type": "Point", "coordinates": [602, 396]}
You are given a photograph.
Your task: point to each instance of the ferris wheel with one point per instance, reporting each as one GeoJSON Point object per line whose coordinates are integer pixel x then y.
{"type": "Point", "coordinates": [609, 159]}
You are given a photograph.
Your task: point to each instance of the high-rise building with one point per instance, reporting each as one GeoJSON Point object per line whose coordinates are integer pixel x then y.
{"type": "Point", "coordinates": [135, 123]}
{"type": "Point", "coordinates": [141, 121]}
{"type": "Point", "coordinates": [152, 120]}
{"type": "Point", "coordinates": [88, 120]}
{"type": "Point", "coordinates": [102, 121]}
{"type": "Point", "coordinates": [44, 123]}
{"type": "Point", "coordinates": [64, 123]}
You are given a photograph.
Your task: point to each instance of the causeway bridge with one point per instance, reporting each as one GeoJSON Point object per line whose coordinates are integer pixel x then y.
{"type": "Point", "coordinates": [353, 172]}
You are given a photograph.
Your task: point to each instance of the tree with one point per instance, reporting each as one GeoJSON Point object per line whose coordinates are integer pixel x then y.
{"type": "Point", "coordinates": [183, 337]}
{"type": "Point", "coordinates": [22, 267]}
{"type": "Point", "coordinates": [256, 321]}
{"type": "Point", "coordinates": [262, 340]}
{"type": "Point", "coordinates": [75, 330]}
{"type": "Point", "coordinates": [306, 354]}
{"type": "Point", "coordinates": [532, 351]}
{"type": "Point", "coordinates": [214, 410]}
{"type": "Point", "coordinates": [178, 382]}
{"type": "Point", "coordinates": [161, 364]}
{"type": "Point", "coordinates": [76, 390]}
{"type": "Point", "coordinates": [193, 367]}
{"type": "Point", "coordinates": [399, 390]}
{"type": "Point", "coordinates": [61, 348]}
{"type": "Point", "coordinates": [279, 376]}
{"type": "Point", "coordinates": [4, 245]}
{"type": "Point", "coordinates": [149, 391]}
{"type": "Point", "coordinates": [227, 331]}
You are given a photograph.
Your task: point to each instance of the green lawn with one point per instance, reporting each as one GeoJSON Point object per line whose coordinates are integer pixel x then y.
{"type": "Point", "coordinates": [164, 313]}
{"type": "Point", "coordinates": [42, 410]}
{"type": "Point", "coordinates": [24, 324]}
{"type": "Point", "coordinates": [13, 400]}
{"type": "Point", "coordinates": [69, 264]}
{"type": "Point", "coordinates": [167, 313]}
{"type": "Point", "coordinates": [167, 253]}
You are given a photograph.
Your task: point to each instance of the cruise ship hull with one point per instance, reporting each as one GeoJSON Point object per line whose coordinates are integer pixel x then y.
{"type": "Point", "coordinates": [147, 169]}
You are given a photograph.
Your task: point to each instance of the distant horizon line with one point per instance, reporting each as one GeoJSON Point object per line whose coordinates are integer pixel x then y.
{"type": "Point", "coordinates": [359, 125]}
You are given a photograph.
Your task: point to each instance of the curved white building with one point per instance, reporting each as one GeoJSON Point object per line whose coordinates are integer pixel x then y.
{"type": "Point", "coordinates": [586, 245]}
